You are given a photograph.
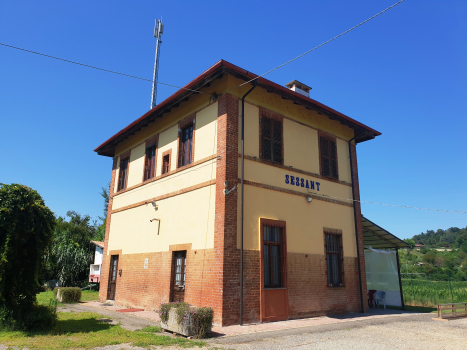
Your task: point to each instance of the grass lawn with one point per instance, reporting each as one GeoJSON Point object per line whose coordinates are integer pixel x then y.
{"type": "Point", "coordinates": [44, 297]}
{"type": "Point", "coordinates": [82, 330]}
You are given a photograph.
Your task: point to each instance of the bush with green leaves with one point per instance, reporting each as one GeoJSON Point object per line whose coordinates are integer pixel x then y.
{"type": "Point", "coordinates": [70, 256]}
{"type": "Point", "coordinates": [26, 232]}
{"type": "Point", "coordinates": [68, 294]}
{"type": "Point", "coordinates": [201, 317]}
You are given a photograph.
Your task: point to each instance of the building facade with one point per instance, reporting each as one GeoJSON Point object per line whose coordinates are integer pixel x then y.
{"type": "Point", "coordinates": [174, 220]}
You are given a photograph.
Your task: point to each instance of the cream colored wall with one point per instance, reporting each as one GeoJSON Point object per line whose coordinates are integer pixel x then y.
{"type": "Point", "coordinates": [343, 161]}
{"type": "Point", "coordinates": [136, 168]}
{"type": "Point", "coordinates": [270, 175]}
{"type": "Point", "coordinates": [251, 129]}
{"type": "Point", "coordinates": [167, 140]}
{"type": "Point", "coordinates": [206, 132]}
{"type": "Point", "coordinates": [301, 147]}
{"type": "Point", "coordinates": [117, 174]}
{"type": "Point", "coordinates": [287, 108]}
{"type": "Point", "coordinates": [304, 221]}
{"type": "Point", "coordinates": [186, 218]}
{"type": "Point", "coordinates": [198, 174]}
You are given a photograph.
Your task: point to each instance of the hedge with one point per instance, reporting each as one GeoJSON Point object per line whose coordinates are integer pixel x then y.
{"type": "Point", "coordinates": [68, 294]}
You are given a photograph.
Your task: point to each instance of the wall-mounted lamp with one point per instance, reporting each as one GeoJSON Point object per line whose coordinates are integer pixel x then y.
{"type": "Point", "coordinates": [179, 129]}
{"type": "Point", "coordinates": [309, 199]}
{"type": "Point", "coordinates": [153, 202]}
{"type": "Point", "coordinates": [194, 121]}
{"type": "Point", "coordinates": [120, 272]}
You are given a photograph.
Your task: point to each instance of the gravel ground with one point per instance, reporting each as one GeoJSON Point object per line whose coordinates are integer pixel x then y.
{"type": "Point", "coordinates": [413, 332]}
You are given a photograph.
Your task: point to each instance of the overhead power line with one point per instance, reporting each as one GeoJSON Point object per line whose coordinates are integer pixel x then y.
{"type": "Point", "coordinates": [316, 47]}
{"type": "Point", "coordinates": [98, 68]}
{"type": "Point", "coordinates": [388, 205]}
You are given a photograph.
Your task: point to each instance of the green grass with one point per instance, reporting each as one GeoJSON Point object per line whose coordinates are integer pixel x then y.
{"type": "Point", "coordinates": [44, 297]}
{"type": "Point", "coordinates": [82, 330]}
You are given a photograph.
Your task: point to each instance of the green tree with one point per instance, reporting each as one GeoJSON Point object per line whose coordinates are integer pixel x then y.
{"type": "Point", "coordinates": [100, 234]}
{"type": "Point", "coordinates": [410, 242]}
{"type": "Point", "coordinates": [429, 257]}
{"type": "Point", "coordinates": [70, 257]}
{"type": "Point", "coordinates": [26, 232]}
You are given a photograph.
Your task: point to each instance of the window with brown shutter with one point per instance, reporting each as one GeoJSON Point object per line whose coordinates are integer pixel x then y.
{"type": "Point", "coordinates": [123, 174]}
{"type": "Point", "coordinates": [271, 134]}
{"type": "Point", "coordinates": [165, 164]}
{"type": "Point", "coordinates": [186, 145]}
{"type": "Point", "coordinates": [150, 166]}
{"type": "Point", "coordinates": [328, 157]}
{"type": "Point", "coordinates": [334, 259]}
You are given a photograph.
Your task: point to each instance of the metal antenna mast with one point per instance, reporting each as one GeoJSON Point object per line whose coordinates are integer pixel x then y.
{"type": "Point", "coordinates": [158, 30]}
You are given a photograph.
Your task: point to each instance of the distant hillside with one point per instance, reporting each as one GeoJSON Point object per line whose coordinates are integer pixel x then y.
{"type": "Point", "coordinates": [454, 237]}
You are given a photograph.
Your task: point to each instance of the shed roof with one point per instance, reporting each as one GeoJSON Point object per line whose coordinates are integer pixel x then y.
{"type": "Point", "coordinates": [99, 244]}
{"type": "Point", "coordinates": [378, 238]}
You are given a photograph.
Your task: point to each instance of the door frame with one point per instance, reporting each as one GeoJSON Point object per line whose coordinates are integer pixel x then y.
{"type": "Point", "coordinates": [172, 274]}
{"type": "Point", "coordinates": [282, 225]}
{"type": "Point", "coordinates": [110, 275]}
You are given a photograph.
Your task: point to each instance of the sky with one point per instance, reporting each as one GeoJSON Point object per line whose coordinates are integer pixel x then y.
{"type": "Point", "coordinates": [404, 74]}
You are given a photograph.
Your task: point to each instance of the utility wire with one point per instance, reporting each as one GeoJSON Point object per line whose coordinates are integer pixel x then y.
{"type": "Point", "coordinates": [316, 47]}
{"type": "Point", "coordinates": [102, 69]}
{"type": "Point", "coordinates": [388, 205]}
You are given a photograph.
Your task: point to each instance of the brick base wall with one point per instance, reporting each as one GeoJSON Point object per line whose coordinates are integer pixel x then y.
{"type": "Point", "coordinates": [147, 288]}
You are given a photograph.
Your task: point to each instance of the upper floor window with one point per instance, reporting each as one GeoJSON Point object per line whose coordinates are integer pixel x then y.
{"type": "Point", "coordinates": [123, 174]}
{"type": "Point", "coordinates": [150, 166]}
{"type": "Point", "coordinates": [186, 145]}
{"type": "Point", "coordinates": [334, 259]}
{"type": "Point", "coordinates": [328, 157]}
{"type": "Point", "coordinates": [165, 164]}
{"type": "Point", "coordinates": [271, 140]}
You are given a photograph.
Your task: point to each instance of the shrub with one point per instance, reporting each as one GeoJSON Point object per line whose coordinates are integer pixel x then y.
{"type": "Point", "coordinates": [38, 318]}
{"type": "Point", "coordinates": [68, 294]}
{"type": "Point", "coordinates": [201, 317]}
{"type": "Point", "coordinates": [165, 308]}
{"type": "Point", "coordinates": [26, 231]}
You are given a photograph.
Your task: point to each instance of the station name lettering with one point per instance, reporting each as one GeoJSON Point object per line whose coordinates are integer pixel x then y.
{"type": "Point", "coordinates": [301, 182]}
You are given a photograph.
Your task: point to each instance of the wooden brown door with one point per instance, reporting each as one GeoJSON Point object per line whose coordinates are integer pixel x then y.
{"type": "Point", "coordinates": [274, 293]}
{"type": "Point", "coordinates": [112, 277]}
{"type": "Point", "coordinates": [178, 277]}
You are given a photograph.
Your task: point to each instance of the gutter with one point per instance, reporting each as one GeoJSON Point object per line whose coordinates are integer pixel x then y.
{"type": "Point", "coordinates": [241, 210]}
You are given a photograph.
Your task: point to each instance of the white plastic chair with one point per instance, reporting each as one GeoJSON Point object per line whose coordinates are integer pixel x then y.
{"type": "Point", "coordinates": [379, 296]}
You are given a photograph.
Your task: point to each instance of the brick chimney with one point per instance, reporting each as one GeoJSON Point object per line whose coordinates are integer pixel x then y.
{"type": "Point", "coordinates": [296, 86]}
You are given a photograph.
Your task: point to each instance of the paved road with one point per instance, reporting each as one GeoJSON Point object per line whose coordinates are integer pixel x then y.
{"type": "Point", "coordinates": [416, 331]}
{"type": "Point", "coordinates": [410, 332]}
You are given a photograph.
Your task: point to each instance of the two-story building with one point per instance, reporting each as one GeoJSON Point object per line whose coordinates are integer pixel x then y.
{"type": "Point", "coordinates": [174, 219]}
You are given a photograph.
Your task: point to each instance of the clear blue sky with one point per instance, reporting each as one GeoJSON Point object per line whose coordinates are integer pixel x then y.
{"type": "Point", "coordinates": [404, 74]}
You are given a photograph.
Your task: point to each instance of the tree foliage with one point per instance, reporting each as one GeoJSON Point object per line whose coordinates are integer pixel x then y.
{"type": "Point", "coordinates": [410, 242]}
{"type": "Point", "coordinates": [452, 237]}
{"type": "Point", "coordinates": [70, 256]}
{"type": "Point", "coordinates": [26, 231]}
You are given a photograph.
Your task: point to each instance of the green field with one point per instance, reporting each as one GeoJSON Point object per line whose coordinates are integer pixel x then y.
{"type": "Point", "coordinates": [431, 293]}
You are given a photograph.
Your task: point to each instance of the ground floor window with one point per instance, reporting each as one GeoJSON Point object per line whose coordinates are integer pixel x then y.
{"type": "Point", "coordinates": [273, 256]}
{"type": "Point", "coordinates": [334, 257]}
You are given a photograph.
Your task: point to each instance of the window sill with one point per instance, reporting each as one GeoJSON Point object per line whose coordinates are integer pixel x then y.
{"type": "Point", "coordinates": [274, 288]}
